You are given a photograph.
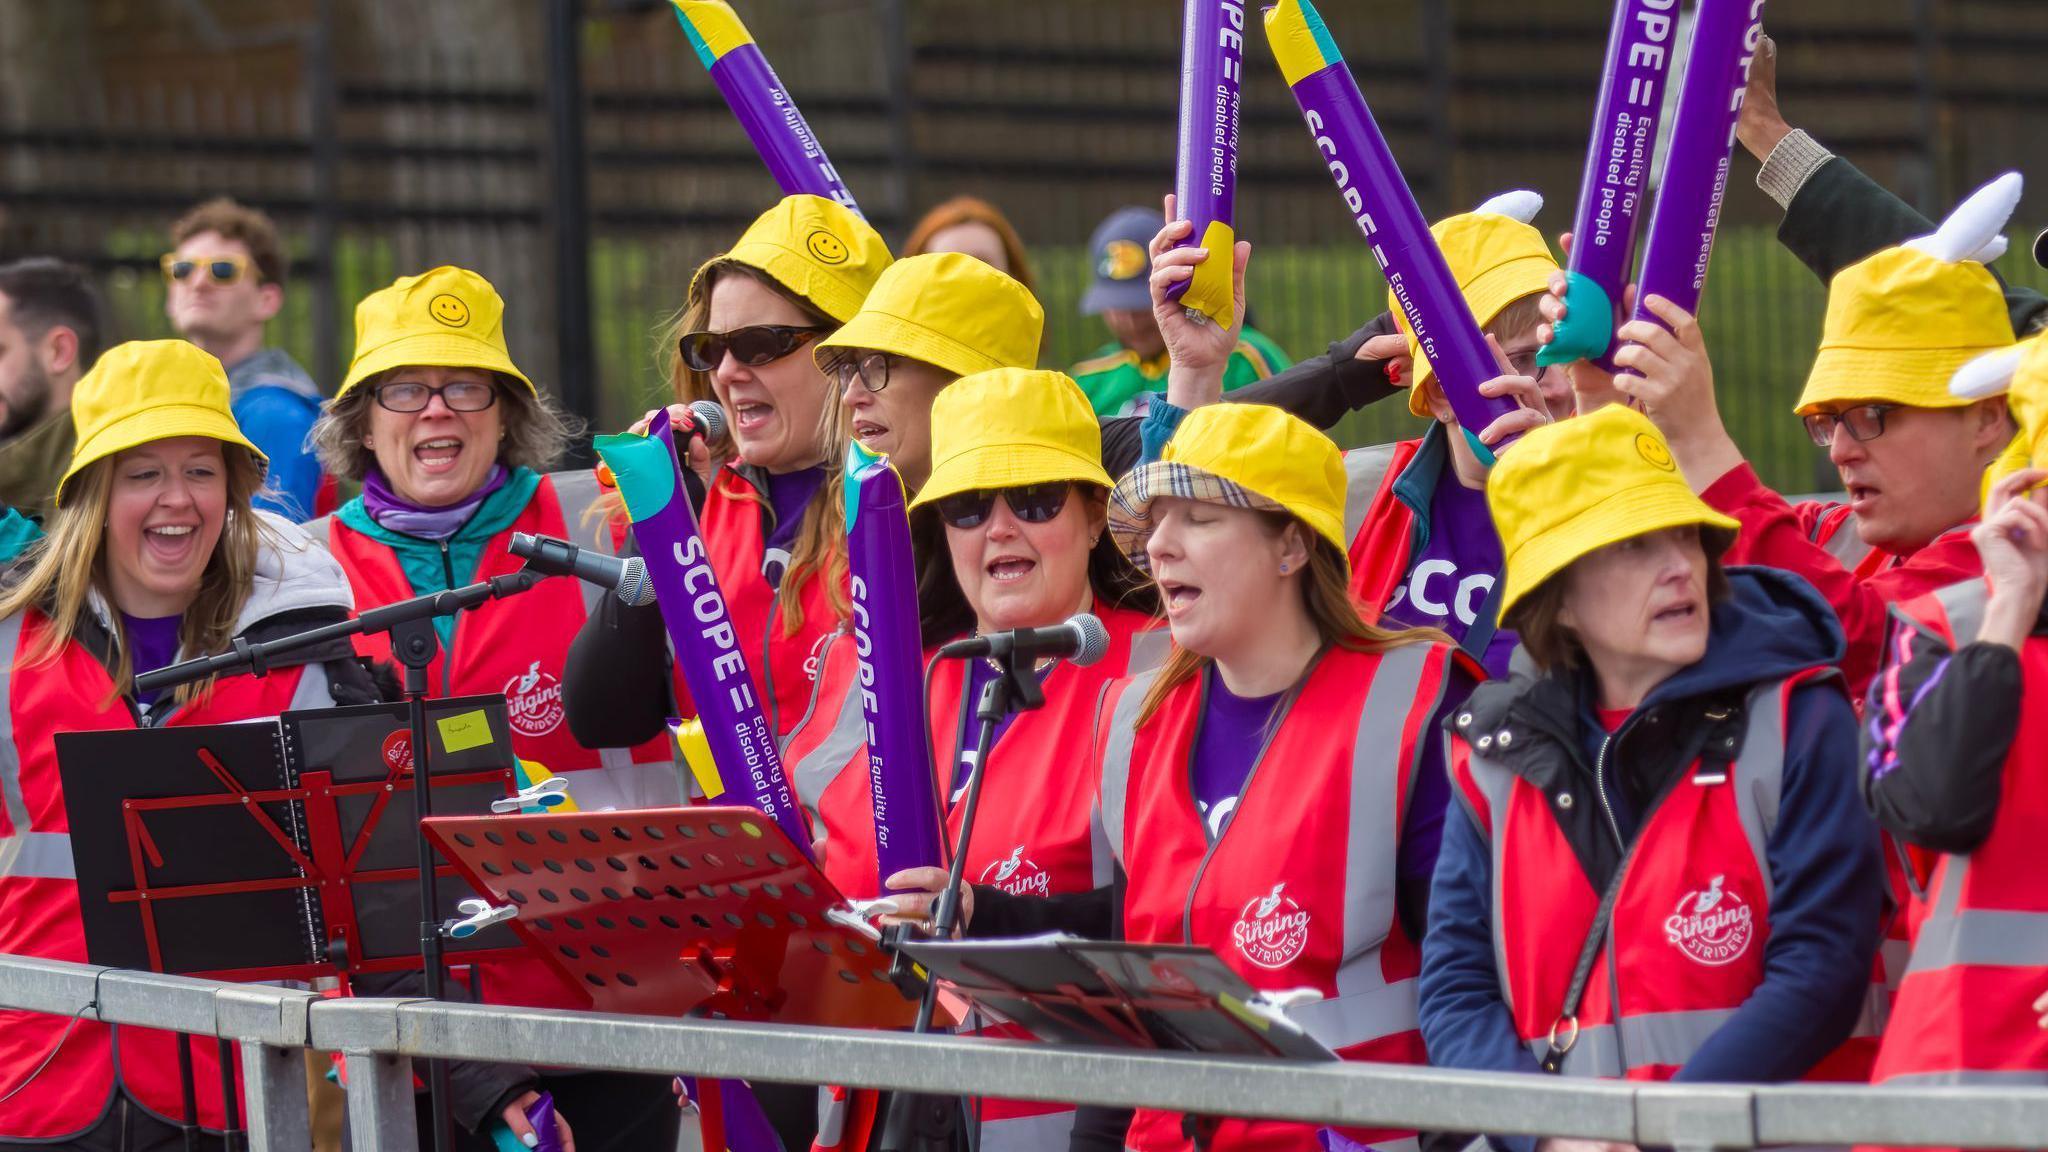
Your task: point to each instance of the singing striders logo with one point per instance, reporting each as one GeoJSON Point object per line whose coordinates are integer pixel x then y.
{"type": "Point", "coordinates": [1272, 930]}
{"type": "Point", "coordinates": [397, 750]}
{"type": "Point", "coordinates": [1713, 926]}
{"type": "Point", "coordinates": [1018, 876]}
{"type": "Point", "coordinates": [534, 700]}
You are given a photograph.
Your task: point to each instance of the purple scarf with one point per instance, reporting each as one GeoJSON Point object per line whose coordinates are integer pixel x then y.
{"type": "Point", "coordinates": [394, 512]}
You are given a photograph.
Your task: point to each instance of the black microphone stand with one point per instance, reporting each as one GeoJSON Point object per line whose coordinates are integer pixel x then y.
{"type": "Point", "coordinates": [916, 1123]}
{"type": "Point", "coordinates": [414, 644]}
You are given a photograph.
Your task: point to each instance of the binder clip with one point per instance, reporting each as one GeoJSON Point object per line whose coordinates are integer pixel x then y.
{"type": "Point", "coordinates": [548, 793]}
{"type": "Point", "coordinates": [478, 915]}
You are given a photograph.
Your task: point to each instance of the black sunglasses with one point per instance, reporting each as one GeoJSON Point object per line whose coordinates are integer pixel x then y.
{"type": "Point", "coordinates": [754, 345]}
{"type": "Point", "coordinates": [1031, 503]}
{"type": "Point", "coordinates": [1864, 423]}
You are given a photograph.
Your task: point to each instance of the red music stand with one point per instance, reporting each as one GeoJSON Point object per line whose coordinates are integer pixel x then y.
{"type": "Point", "coordinates": [668, 911]}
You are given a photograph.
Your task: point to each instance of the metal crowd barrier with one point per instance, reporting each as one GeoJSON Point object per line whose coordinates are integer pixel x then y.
{"type": "Point", "coordinates": [383, 1037]}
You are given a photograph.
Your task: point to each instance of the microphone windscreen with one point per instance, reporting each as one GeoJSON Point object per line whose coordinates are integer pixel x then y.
{"type": "Point", "coordinates": [634, 587]}
{"type": "Point", "coordinates": [1094, 638]}
{"type": "Point", "coordinates": [711, 416]}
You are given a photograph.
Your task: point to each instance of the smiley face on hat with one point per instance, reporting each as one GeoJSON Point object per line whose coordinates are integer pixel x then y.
{"type": "Point", "coordinates": [829, 249]}
{"type": "Point", "coordinates": [449, 310]}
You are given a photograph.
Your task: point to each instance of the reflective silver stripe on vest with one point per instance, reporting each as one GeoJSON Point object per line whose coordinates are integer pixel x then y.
{"type": "Point", "coordinates": [1049, 1130]}
{"type": "Point", "coordinates": [24, 853]}
{"type": "Point", "coordinates": [1366, 1006]}
{"type": "Point", "coordinates": [1660, 1039]}
{"type": "Point", "coordinates": [1990, 937]}
{"type": "Point", "coordinates": [817, 769]}
{"type": "Point", "coordinates": [1846, 545]}
{"type": "Point", "coordinates": [1118, 738]}
{"type": "Point", "coordinates": [1964, 605]}
{"type": "Point", "coordinates": [1149, 649]}
{"type": "Point", "coordinates": [1365, 469]}
{"type": "Point", "coordinates": [1667, 1038]}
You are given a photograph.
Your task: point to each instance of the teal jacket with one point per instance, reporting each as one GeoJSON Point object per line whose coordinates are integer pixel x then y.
{"type": "Point", "coordinates": [436, 566]}
{"type": "Point", "coordinates": [17, 532]}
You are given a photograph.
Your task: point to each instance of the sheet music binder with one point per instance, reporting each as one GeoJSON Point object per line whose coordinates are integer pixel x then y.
{"type": "Point", "coordinates": [244, 851]}
{"type": "Point", "coordinates": [1066, 990]}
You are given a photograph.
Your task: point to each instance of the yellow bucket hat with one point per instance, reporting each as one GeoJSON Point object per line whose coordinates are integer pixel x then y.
{"type": "Point", "coordinates": [1242, 456]}
{"type": "Point", "coordinates": [1009, 427]}
{"type": "Point", "coordinates": [1576, 486]}
{"type": "Point", "coordinates": [1899, 325]}
{"type": "Point", "coordinates": [948, 310]}
{"type": "Point", "coordinates": [445, 318]}
{"type": "Point", "coordinates": [1496, 258]}
{"type": "Point", "coordinates": [148, 390]}
{"type": "Point", "coordinates": [817, 248]}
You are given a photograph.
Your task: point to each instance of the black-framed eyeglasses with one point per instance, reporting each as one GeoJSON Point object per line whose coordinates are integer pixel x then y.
{"type": "Point", "coordinates": [872, 370]}
{"type": "Point", "coordinates": [1864, 423]}
{"type": "Point", "coordinates": [1031, 503]}
{"type": "Point", "coordinates": [754, 345]}
{"type": "Point", "coordinates": [460, 396]}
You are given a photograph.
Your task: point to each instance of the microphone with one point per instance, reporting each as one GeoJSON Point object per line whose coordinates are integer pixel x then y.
{"type": "Point", "coordinates": [626, 577]}
{"type": "Point", "coordinates": [1080, 640]}
{"type": "Point", "coordinates": [707, 422]}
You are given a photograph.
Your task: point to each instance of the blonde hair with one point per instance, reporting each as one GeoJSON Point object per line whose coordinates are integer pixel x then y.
{"type": "Point", "coordinates": [1326, 594]}
{"type": "Point", "coordinates": [819, 549]}
{"type": "Point", "coordinates": [59, 573]}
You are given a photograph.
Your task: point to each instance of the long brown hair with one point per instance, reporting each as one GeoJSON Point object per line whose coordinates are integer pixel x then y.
{"type": "Point", "coordinates": [59, 573]}
{"type": "Point", "coordinates": [974, 210]}
{"type": "Point", "coordinates": [820, 545]}
{"type": "Point", "coordinates": [1326, 594]}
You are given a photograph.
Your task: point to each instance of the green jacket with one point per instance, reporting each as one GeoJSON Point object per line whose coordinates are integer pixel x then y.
{"type": "Point", "coordinates": [33, 462]}
{"type": "Point", "coordinates": [437, 566]}
{"type": "Point", "coordinates": [1115, 379]}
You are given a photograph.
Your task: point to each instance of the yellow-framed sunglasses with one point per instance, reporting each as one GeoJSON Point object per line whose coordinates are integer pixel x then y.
{"type": "Point", "coordinates": [228, 269]}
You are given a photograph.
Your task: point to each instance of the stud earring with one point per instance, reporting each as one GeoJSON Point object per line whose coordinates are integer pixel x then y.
{"type": "Point", "coordinates": [1283, 567]}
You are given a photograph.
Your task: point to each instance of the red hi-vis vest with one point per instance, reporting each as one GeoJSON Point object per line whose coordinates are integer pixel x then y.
{"type": "Point", "coordinates": [39, 911]}
{"type": "Point", "coordinates": [1384, 534]}
{"type": "Point", "coordinates": [784, 667]}
{"type": "Point", "coordinates": [1685, 946]}
{"type": "Point", "coordinates": [517, 646]}
{"type": "Point", "coordinates": [1980, 958]}
{"type": "Point", "coordinates": [1300, 888]}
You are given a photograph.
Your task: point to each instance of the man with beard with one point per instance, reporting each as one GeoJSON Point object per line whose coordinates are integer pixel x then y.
{"type": "Point", "coordinates": [49, 336]}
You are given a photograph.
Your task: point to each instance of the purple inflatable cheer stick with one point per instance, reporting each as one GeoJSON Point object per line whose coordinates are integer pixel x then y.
{"type": "Point", "coordinates": [1205, 180]}
{"type": "Point", "coordinates": [1725, 38]}
{"type": "Point", "coordinates": [1379, 199]}
{"type": "Point", "coordinates": [891, 668]}
{"type": "Point", "coordinates": [1617, 177]}
{"type": "Point", "coordinates": [756, 96]}
{"type": "Point", "coordinates": [707, 646]}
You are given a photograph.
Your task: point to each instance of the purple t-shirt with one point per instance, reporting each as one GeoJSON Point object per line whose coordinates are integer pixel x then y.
{"type": "Point", "coordinates": [1234, 729]}
{"type": "Point", "coordinates": [787, 495]}
{"type": "Point", "coordinates": [1449, 579]}
{"type": "Point", "coordinates": [979, 673]}
{"type": "Point", "coordinates": [152, 644]}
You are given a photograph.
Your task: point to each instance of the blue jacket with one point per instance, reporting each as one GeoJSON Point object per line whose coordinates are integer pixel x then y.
{"type": "Point", "coordinates": [276, 404]}
{"type": "Point", "coordinates": [1827, 872]}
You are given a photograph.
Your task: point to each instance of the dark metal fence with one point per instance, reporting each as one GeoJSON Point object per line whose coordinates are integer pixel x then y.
{"type": "Point", "coordinates": [574, 152]}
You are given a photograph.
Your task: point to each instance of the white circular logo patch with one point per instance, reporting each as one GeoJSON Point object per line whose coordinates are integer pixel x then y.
{"type": "Point", "coordinates": [1272, 931]}
{"type": "Point", "coordinates": [1712, 926]}
{"type": "Point", "coordinates": [534, 700]}
{"type": "Point", "coordinates": [1018, 876]}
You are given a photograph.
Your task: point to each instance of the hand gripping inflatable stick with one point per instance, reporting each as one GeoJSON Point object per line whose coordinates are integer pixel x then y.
{"type": "Point", "coordinates": [1616, 180]}
{"type": "Point", "coordinates": [1380, 201]}
{"type": "Point", "coordinates": [1726, 35]}
{"type": "Point", "coordinates": [1205, 178]}
{"type": "Point", "coordinates": [760, 102]}
{"type": "Point", "coordinates": [706, 644]}
{"type": "Point", "coordinates": [907, 830]}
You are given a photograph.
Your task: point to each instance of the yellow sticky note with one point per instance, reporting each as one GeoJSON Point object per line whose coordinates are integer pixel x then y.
{"type": "Point", "coordinates": [465, 730]}
{"type": "Point", "coordinates": [696, 750]}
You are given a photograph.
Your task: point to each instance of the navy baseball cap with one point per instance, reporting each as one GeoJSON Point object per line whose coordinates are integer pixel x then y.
{"type": "Point", "coordinates": [1119, 252]}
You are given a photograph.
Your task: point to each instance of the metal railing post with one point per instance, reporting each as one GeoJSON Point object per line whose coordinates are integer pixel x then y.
{"type": "Point", "coordinates": [380, 1103]}
{"type": "Point", "coordinates": [274, 1090]}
